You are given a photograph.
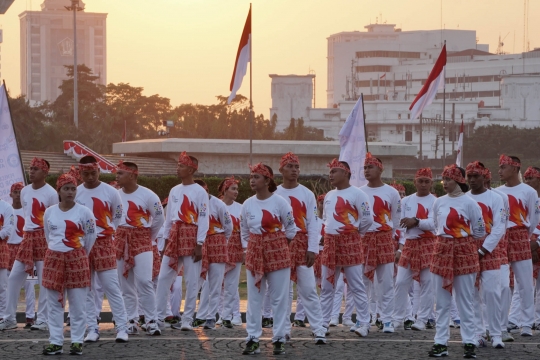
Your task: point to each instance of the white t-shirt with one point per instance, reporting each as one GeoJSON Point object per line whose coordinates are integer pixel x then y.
{"type": "Point", "coordinates": [105, 203]}
{"type": "Point", "coordinates": [347, 211]}
{"type": "Point", "coordinates": [523, 207]}
{"type": "Point", "coordinates": [420, 207]}
{"type": "Point", "coordinates": [235, 210]}
{"type": "Point", "coordinates": [493, 212]}
{"type": "Point", "coordinates": [304, 207]}
{"type": "Point", "coordinates": [34, 203]}
{"type": "Point", "coordinates": [142, 209]}
{"type": "Point", "coordinates": [457, 217]}
{"type": "Point", "coordinates": [69, 230]}
{"type": "Point", "coordinates": [386, 207]}
{"type": "Point", "coordinates": [220, 220]}
{"type": "Point", "coordinates": [17, 231]}
{"type": "Point", "coordinates": [7, 220]}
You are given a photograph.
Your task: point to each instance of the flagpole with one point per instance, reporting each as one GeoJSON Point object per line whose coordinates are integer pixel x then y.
{"type": "Point", "coordinates": [444, 115]}
{"type": "Point", "coordinates": [15, 133]}
{"type": "Point", "coordinates": [364, 115]}
{"type": "Point", "coordinates": [251, 90]}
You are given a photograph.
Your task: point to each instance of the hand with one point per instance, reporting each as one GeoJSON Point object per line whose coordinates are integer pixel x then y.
{"type": "Point", "coordinates": [535, 256]}
{"type": "Point", "coordinates": [310, 258]}
{"type": "Point", "coordinates": [534, 245]}
{"type": "Point", "coordinates": [397, 256]}
{"type": "Point", "coordinates": [197, 253]}
{"type": "Point", "coordinates": [408, 223]}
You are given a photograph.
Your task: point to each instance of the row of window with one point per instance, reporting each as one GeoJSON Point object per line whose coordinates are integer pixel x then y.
{"type": "Point", "coordinates": [388, 54]}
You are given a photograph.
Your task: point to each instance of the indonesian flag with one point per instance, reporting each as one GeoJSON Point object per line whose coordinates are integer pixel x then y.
{"type": "Point", "coordinates": [243, 56]}
{"type": "Point", "coordinates": [434, 82]}
{"type": "Point", "coordinates": [460, 146]}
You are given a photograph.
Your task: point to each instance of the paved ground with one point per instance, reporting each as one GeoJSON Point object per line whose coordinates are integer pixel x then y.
{"type": "Point", "coordinates": [225, 344]}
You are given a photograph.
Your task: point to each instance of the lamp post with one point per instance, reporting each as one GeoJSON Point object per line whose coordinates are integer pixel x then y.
{"type": "Point", "coordinates": [75, 7]}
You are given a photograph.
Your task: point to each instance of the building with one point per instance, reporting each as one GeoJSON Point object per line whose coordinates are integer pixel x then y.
{"type": "Point", "coordinates": [292, 97]}
{"type": "Point", "coordinates": [1, 40]}
{"type": "Point", "coordinates": [47, 46]}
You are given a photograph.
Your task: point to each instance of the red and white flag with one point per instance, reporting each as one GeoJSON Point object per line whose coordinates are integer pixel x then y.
{"type": "Point", "coordinates": [460, 146]}
{"type": "Point", "coordinates": [383, 77]}
{"type": "Point", "coordinates": [243, 56]}
{"type": "Point", "coordinates": [434, 82]}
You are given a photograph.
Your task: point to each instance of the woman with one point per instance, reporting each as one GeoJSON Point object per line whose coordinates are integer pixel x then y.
{"type": "Point", "coordinates": [458, 222]}
{"type": "Point", "coordinates": [70, 231]}
{"type": "Point", "coordinates": [228, 192]}
{"type": "Point", "coordinates": [268, 259]}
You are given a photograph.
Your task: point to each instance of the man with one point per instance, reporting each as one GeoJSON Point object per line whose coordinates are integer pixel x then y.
{"type": "Point", "coordinates": [142, 217]}
{"type": "Point", "coordinates": [35, 198]}
{"type": "Point", "coordinates": [414, 256]}
{"type": "Point", "coordinates": [493, 213]}
{"type": "Point", "coordinates": [378, 243]}
{"type": "Point", "coordinates": [523, 219]}
{"type": "Point", "coordinates": [6, 226]}
{"type": "Point", "coordinates": [185, 231]}
{"type": "Point", "coordinates": [105, 203]}
{"type": "Point", "coordinates": [346, 216]}
{"type": "Point", "coordinates": [305, 244]}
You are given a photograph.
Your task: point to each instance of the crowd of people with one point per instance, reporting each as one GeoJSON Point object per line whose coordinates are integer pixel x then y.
{"type": "Point", "coordinates": [468, 259]}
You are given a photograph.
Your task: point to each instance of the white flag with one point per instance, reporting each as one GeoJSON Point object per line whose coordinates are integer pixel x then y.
{"type": "Point", "coordinates": [460, 146]}
{"type": "Point", "coordinates": [11, 170]}
{"type": "Point", "coordinates": [352, 139]}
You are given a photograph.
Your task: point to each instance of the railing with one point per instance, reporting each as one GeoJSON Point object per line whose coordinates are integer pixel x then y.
{"type": "Point", "coordinates": [78, 150]}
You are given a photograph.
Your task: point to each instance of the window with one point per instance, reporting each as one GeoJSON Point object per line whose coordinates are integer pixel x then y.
{"type": "Point", "coordinates": [408, 135]}
{"type": "Point", "coordinates": [373, 68]}
{"type": "Point", "coordinates": [399, 116]}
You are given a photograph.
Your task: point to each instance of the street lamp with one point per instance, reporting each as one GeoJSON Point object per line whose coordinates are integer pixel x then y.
{"type": "Point", "coordinates": [75, 7]}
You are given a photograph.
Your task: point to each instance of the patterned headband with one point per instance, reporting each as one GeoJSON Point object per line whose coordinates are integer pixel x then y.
{"type": "Point", "coordinates": [487, 174]}
{"type": "Point", "coordinates": [531, 173]}
{"type": "Point", "coordinates": [229, 182]}
{"type": "Point", "coordinates": [184, 159]}
{"type": "Point", "coordinates": [454, 173]}
{"type": "Point", "coordinates": [65, 179]}
{"type": "Point", "coordinates": [335, 164]}
{"type": "Point", "coordinates": [125, 168]}
{"type": "Point", "coordinates": [423, 173]}
{"type": "Point", "coordinates": [371, 160]}
{"type": "Point", "coordinates": [507, 160]}
{"type": "Point", "coordinates": [40, 163]}
{"type": "Point", "coordinates": [398, 187]}
{"type": "Point", "coordinates": [16, 187]}
{"type": "Point", "coordinates": [475, 168]}
{"type": "Point", "coordinates": [89, 166]}
{"type": "Point", "coordinates": [288, 158]}
{"type": "Point", "coordinates": [75, 173]}
{"type": "Point", "coordinates": [321, 197]}
{"type": "Point", "coordinates": [261, 169]}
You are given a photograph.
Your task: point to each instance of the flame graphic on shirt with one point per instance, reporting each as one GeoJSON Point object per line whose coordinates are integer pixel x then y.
{"type": "Point", "coordinates": [487, 214]}
{"type": "Point", "coordinates": [269, 222]}
{"type": "Point", "coordinates": [74, 233]}
{"type": "Point", "coordinates": [20, 226]}
{"type": "Point", "coordinates": [188, 213]}
{"type": "Point", "coordinates": [518, 212]}
{"type": "Point", "coordinates": [135, 213]}
{"type": "Point", "coordinates": [456, 223]}
{"type": "Point", "coordinates": [381, 211]}
{"type": "Point", "coordinates": [342, 211]}
{"type": "Point", "coordinates": [299, 213]}
{"type": "Point", "coordinates": [236, 224]}
{"type": "Point", "coordinates": [422, 213]}
{"type": "Point", "coordinates": [103, 213]}
{"type": "Point", "coordinates": [214, 225]}
{"type": "Point", "coordinates": [38, 210]}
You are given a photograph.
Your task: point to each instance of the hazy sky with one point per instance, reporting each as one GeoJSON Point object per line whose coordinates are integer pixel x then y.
{"type": "Point", "coordinates": [185, 49]}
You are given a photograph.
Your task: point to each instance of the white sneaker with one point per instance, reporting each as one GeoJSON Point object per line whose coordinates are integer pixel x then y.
{"type": "Point", "coordinates": [388, 327]}
{"type": "Point", "coordinates": [480, 341]}
{"type": "Point", "coordinates": [7, 324]}
{"type": "Point", "coordinates": [152, 328]}
{"type": "Point", "coordinates": [132, 328]}
{"type": "Point", "coordinates": [355, 326]}
{"type": "Point", "coordinates": [237, 320]}
{"type": "Point", "coordinates": [39, 326]}
{"type": "Point", "coordinates": [186, 326]}
{"type": "Point", "coordinates": [506, 336]}
{"type": "Point", "coordinates": [347, 322]}
{"type": "Point", "coordinates": [93, 336]}
{"type": "Point", "coordinates": [362, 330]}
{"type": "Point", "coordinates": [418, 325]}
{"type": "Point", "coordinates": [122, 336]}
{"type": "Point", "coordinates": [319, 337]}
{"type": "Point", "coordinates": [334, 321]}
{"type": "Point", "coordinates": [219, 322]}
{"type": "Point", "coordinates": [526, 331]}
{"type": "Point", "coordinates": [496, 342]}
{"type": "Point", "coordinates": [161, 324]}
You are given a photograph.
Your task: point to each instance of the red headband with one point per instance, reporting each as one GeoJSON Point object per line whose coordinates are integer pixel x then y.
{"type": "Point", "coordinates": [261, 169]}
{"type": "Point", "coordinates": [531, 173]}
{"type": "Point", "coordinates": [321, 197]}
{"type": "Point", "coordinates": [184, 159]}
{"type": "Point", "coordinates": [397, 186]}
{"type": "Point", "coordinates": [288, 158]}
{"type": "Point", "coordinates": [424, 173]}
{"type": "Point", "coordinates": [335, 164]}
{"type": "Point", "coordinates": [125, 168]}
{"type": "Point", "coordinates": [229, 182]}
{"type": "Point", "coordinates": [371, 160]}
{"type": "Point", "coordinates": [454, 173]}
{"type": "Point", "coordinates": [65, 179]}
{"type": "Point", "coordinates": [40, 163]}
{"type": "Point", "coordinates": [487, 174]}
{"type": "Point", "coordinates": [89, 166]}
{"type": "Point", "coordinates": [16, 187]}
{"type": "Point", "coordinates": [507, 160]}
{"type": "Point", "coordinates": [475, 168]}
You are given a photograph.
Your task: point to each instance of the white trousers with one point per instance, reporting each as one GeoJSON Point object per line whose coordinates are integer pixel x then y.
{"type": "Point", "coordinates": [464, 294]}
{"type": "Point", "coordinates": [278, 292]}
{"type": "Point", "coordinates": [230, 291]}
{"type": "Point", "coordinates": [267, 304]}
{"type": "Point", "coordinates": [338, 296]}
{"type": "Point", "coordinates": [111, 288]}
{"type": "Point", "coordinates": [3, 290]}
{"type": "Point", "coordinates": [176, 296]}
{"type": "Point", "coordinates": [383, 288]}
{"type": "Point", "coordinates": [425, 300]}
{"type": "Point", "coordinates": [77, 307]}
{"type": "Point", "coordinates": [488, 297]}
{"type": "Point", "coordinates": [167, 276]}
{"type": "Point", "coordinates": [506, 295]}
{"type": "Point", "coordinates": [99, 294]}
{"type": "Point", "coordinates": [354, 275]}
{"type": "Point", "coordinates": [16, 280]}
{"type": "Point", "coordinates": [524, 284]}
{"type": "Point", "coordinates": [211, 291]}
{"type": "Point", "coordinates": [537, 302]}
{"type": "Point", "coordinates": [138, 286]}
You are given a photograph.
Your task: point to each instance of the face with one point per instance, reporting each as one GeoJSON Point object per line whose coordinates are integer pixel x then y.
{"type": "Point", "coordinates": [449, 185]}
{"type": "Point", "coordinates": [183, 171]}
{"type": "Point", "coordinates": [90, 176]}
{"type": "Point", "coordinates": [231, 192]}
{"type": "Point", "coordinates": [36, 174]}
{"type": "Point", "coordinates": [423, 185]}
{"type": "Point", "coordinates": [67, 192]}
{"type": "Point", "coordinates": [123, 177]}
{"type": "Point", "coordinates": [402, 194]}
{"type": "Point", "coordinates": [476, 181]}
{"type": "Point", "coordinates": [290, 171]}
{"type": "Point", "coordinates": [320, 205]}
{"type": "Point", "coordinates": [16, 195]}
{"type": "Point", "coordinates": [487, 183]}
{"type": "Point", "coordinates": [258, 182]}
{"type": "Point", "coordinates": [372, 172]}
{"type": "Point", "coordinates": [506, 172]}
{"type": "Point", "coordinates": [337, 176]}
{"type": "Point", "coordinates": [533, 182]}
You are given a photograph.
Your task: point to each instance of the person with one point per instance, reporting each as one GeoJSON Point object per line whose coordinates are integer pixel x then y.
{"type": "Point", "coordinates": [523, 219]}
{"type": "Point", "coordinates": [305, 245]}
{"type": "Point", "coordinates": [6, 226]}
{"type": "Point", "coordinates": [458, 222]}
{"type": "Point", "coordinates": [70, 231]}
{"type": "Point", "coordinates": [346, 215]}
{"type": "Point", "coordinates": [414, 256]}
{"type": "Point", "coordinates": [378, 242]}
{"type": "Point", "coordinates": [35, 199]}
{"type": "Point", "coordinates": [186, 225]}
{"type": "Point", "coordinates": [142, 217]}
{"type": "Point", "coordinates": [488, 291]}
{"type": "Point", "coordinates": [266, 225]}
{"type": "Point", "coordinates": [105, 203]}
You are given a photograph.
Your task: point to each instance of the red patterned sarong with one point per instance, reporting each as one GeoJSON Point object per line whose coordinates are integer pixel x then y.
{"type": "Point", "coordinates": [181, 242]}
{"type": "Point", "coordinates": [418, 253]}
{"type": "Point", "coordinates": [501, 250]}
{"type": "Point", "coordinates": [156, 264]}
{"type": "Point", "coordinates": [4, 255]}
{"type": "Point", "coordinates": [13, 249]}
{"type": "Point", "coordinates": [317, 269]}
{"type": "Point", "coordinates": [298, 248]}
{"type": "Point", "coordinates": [519, 247]}
{"type": "Point", "coordinates": [488, 261]}
{"type": "Point", "coordinates": [454, 257]}
{"type": "Point", "coordinates": [66, 270]}
{"type": "Point", "coordinates": [103, 254]}
{"type": "Point", "coordinates": [131, 242]}
{"type": "Point", "coordinates": [235, 252]}
{"type": "Point", "coordinates": [266, 253]}
{"type": "Point", "coordinates": [378, 249]}
{"type": "Point", "coordinates": [214, 251]}
{"type": "Point", "coordinates": [341, 250]}
{"type": "Point", "coordinates": [536, 265]}
{"type": "Point", "coordinates": [32, 248]}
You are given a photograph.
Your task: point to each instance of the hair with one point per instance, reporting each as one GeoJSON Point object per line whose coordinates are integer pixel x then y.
{"type": "Point", "coordinates": [131, 165]}
{"type": "Point", "coordinates": [536, 168]}
{"type": "Point", "coordinates": [48, 165]}
{"type": "Point", "coordinates": [194, 159]}
{"type": "Point", "coordinates": [88, 159]}
{"type": "Point", "coordinates": [272, 186]}
{"type": "Point", "coordinates": [201, 183]}
{"type": "Point", "coordinates": [516, 159]}
{"type": "Point", "coordinates": [346, 164]}
{"type": "Point", "coordinates": [464, 187]}
{"type": "Point", "coordinates": [379, 159]}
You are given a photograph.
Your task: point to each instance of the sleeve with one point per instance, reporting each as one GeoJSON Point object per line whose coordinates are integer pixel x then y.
{"type": "Point", "coordinates": [156, 212]}
{"type": "Point", "coordinates": [366, 219]}
{"type": "Point", "coordinates": [46, 224]}
{"type": "Point", "coordinates": [534, 216]}
{"type": "Point", "coordinates": [478, 227]}
{"type": "Point", "coordinates": [168, 219]}
{"type": "Point", "coordinates": [116, 208]}
{"type": "Point", "coordinates": [498, 228]}
{"type": "Point", "coordinates": [396, 211]}
{"type": "Point", "coordinates": [429, 223]}
{"type": "Point", "coordinates": [9, 222]}
{"type": "Point", "coordinates": [90, 232]}
{"type": "Point", "coordinates": [225, 219]}
{"type": "Point", "coordinates": [287, 218]}
{"type": "Point", "coordinates": [435, 218]}
{"type": "Point", "coordinates": [244, 228]}
{"type": "Point", "coordinates": [402, 238]}
{"type": "Point", "coordinates": [203, 222]}
{"type": "Point", "coordinates": [312, 224]}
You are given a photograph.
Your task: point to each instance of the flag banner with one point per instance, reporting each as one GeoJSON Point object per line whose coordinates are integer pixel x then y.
{"type": "Point", "coordinates": [243, 56]}
{"type": "Point", "coordinates": [352, 139]}
{"type": "Point", "coordinates": [459, 158]}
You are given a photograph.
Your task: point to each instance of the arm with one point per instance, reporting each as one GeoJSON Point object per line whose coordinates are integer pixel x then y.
{"type": "Point", "coordinates": [366, 217]}
{"type": "Point", "coordinates": [498, 228]}
{"type": "Point", "coordinates": [429, 223]}
{"type": "Point", "coordinates": [9, 222]}
{"type": "Point", "coordinates": [534, 213]}
{"type": "Point", "coordinates": [396, 212]}
{"type": "Point", "coordinates": [168, 222]}
{"type": "Point", "coordinates": [156, 212]}
{"type": "Point", "coordinates": [287, 219]}
{"type": "Point", "coordinates": [478, 227]}
{"type": "Point", "coordinates": [116, 208]}
{"type": "Point", "coordinates": [244, 228]}
{"type": "Point", "coordinates": [90, 232]}
{"type": "Point", "coordinates": [46, 224]}
{"type": "Point", "coordinates": [203, 222]}
{"type": "Point", "coordinates": [312, 224]}
{"type": "Point", "coordinates": [225, 219]}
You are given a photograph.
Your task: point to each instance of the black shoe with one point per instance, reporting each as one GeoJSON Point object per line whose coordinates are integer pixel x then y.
{"type": "Point", "coordinates": [52, 349]}
{"type": "Point", "coordinates": [438, 350]}
{"type": "Point", "coordinates": [251, 348]}
{"type": "Point", "coordinates": [141, 321]}
{"type": "Point", "coordinates": [279, 348]}
{"type": "Point", "coordinates": [197, 323]}
{"type": "Point", "coordinates": [469, 351]}
{"type": "Point", "coordinates": [430, 324]}
{"type": "Point", "coordinates": [227, 323]}
{"type": "Point", "coordinates": [68, 322]}
{"type": "Point", "coordinates": [379, 324]}
{"type": "Point", "coordinates": [75, 349]}
{"type": "Point", "coordinates": [407, 325]}
{"type": "Point", "coordinates": [298, 323]}
{"type": "Point", "coordinates": [267, 323]}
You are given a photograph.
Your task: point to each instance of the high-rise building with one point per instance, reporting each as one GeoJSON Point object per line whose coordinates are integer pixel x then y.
{"type": "Point", "coordinates": [47, 45]}
{"type": "Point", "coordinates": [1, 39]}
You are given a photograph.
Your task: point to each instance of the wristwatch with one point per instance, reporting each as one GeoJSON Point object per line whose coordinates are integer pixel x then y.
{"type": "Point", "coordinates": [417, 221]}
